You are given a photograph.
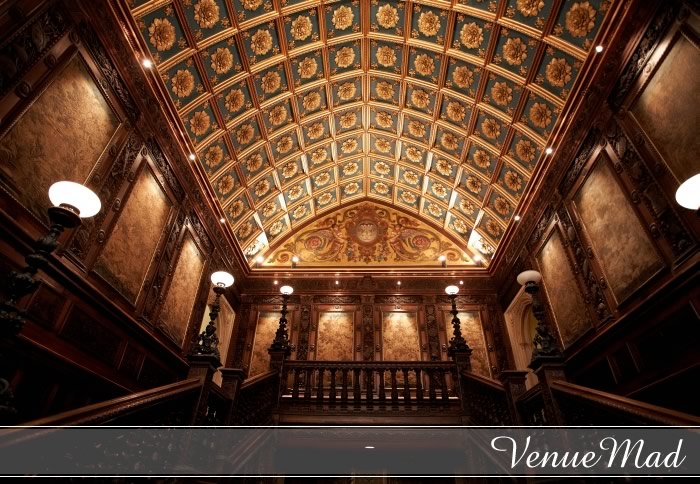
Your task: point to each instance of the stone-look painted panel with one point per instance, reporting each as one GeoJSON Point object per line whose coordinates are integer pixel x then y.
{"type": "Point", "coordinates": [129, 250]}
{"type": "Point", "coordinates": [473, 332]}
{"type": "Point", "coordinates": [670, 96]}
{"type": "Point", "coordinates": [335, 336]}
{"type": "Point", "coordinates": [564, 295]}
{"type": "Point", "coordinates": [264, 335]}
{"type": "Point", "coordinates": [182, 292]}
{"type": "Point", "coordinates": [400, 336]}
{"type": "Point", "coordinates": [60, 137]}
{"type": "Point", "coordinates": [620, 243]}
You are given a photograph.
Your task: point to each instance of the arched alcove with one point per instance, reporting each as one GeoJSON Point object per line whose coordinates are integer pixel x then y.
{"type": "Point", "coordinates": [521, 325]}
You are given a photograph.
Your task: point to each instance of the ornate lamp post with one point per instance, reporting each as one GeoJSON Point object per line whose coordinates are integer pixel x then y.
{"type": "Point", "coordinates": [544, 343]}
{"type": "Point", "coordinates": [207, 342]}
{"type": "Point", "coordinates": [72, 201]}
{"type": "Point", "coordinates": [457, 344]}
{"type": "Point", "coordinates": [688, 194]}
{"type": "Point", "coordinates": [281, 341]}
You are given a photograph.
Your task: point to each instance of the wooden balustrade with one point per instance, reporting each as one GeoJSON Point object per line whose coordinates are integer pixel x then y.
{"type": "Point", "coordinates": [586, 406]}
{"type": "Point", "coordinates": [171, 404]}
{"type": "Point", "coordinates": [256, 400]}
{"type": "Point", "coordinates": [367, 384]}
{"type": "Point", "coordinates": [486, 400]}
{"type": "Point", "coordinates": [531, 407]}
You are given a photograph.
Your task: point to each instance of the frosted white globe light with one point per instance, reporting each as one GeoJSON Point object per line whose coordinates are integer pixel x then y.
{"type": "Point", "coordinates": [75, 197]}
{"type": "Point", "coordinates": [688, 194]}
{"type": "Point", "coordinates": [222, 279]}
{"type": "Point", "coordinates": [529, 276]}
{"type": "Point", "coordinates": [286, 290]}
{"type": "Point", "coordinates": [452, 290]}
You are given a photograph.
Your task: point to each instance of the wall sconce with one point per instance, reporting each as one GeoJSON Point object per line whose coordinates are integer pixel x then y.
{"type": "Point", "coordinates": [208, 343]}
{"type": "Point", "coordinates": [544, 343]}
{"type": "Point", "coordinates": [443, 260]}
{"type": "Point", "coordinates": [457, 343]}
{"type": "Point", "coordinates": [72, 201]}
{"type": "Point", "coordinates": [688, 194]}
{"type": "Point", "coordinates": [281, 341]}
{"type": "Point", "coordinates": [295, 261]}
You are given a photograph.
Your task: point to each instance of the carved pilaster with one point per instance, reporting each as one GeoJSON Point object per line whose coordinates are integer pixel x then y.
{"type": "Point", "coordinates": [239, 350]}
{"type": "Point", "coordinates": [304, 328]}
{"type": "Point", "coordinates": [593, 293]}
{"type": "Point", "coordinates": [433, 330]}
{"type": "Point", "coordinates": [88, 233]}
{"type": "Point", "coordinates": [367, 328]}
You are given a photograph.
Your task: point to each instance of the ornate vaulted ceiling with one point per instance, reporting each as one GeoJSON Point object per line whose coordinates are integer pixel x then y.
{"type": "Point", "coordinates": [442, 109]}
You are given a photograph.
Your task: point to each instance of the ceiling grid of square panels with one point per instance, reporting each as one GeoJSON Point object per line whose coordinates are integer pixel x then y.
{"type": "Point", "coordinates": [443, 108]}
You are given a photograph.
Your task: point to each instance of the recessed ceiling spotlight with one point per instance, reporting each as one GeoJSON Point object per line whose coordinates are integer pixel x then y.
{"type": "Point", "coordinates": [259, 259]}
{"type": "Point", "coordinates": [192, 156]}
{"type": "Point", "coordinates": [517, 218]}
{"type": "Point", "coordinates": [337, 282]}
{"type": "Point", "coordinates": [222, 220]}
{"type": "Point", "coordinates": [398, 283]}
{"type": "Point", "coordinates": [477, 258]}
{"type": "Point", "coordinates": [599, 48]}
{"type": "Point", "coordinates": [274, 282]}
{"type": "Point", "coordinates": [147, 63]}
{"type": "Point", "coordinates": [549, 150]}
{"type": "Point", "coordinates": [461, 283]}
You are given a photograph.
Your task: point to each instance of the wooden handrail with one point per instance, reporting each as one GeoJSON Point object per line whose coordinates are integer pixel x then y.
{"type": "Point", "coordinates": [616, 403]}
{"type": "Point", "coordinates": [533, 392]}
{"type": "Point", "coordinates": [254, 380]}
{"type": "Point", "coordinates": [369, 364]}
{"type": "Point", "coordinates": [482, 380]}
{"type": "Point", "coordinates": [98, 412]}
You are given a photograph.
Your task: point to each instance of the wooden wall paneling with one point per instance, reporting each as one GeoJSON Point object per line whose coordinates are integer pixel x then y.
{"type": "Point", "coordinates": [144, 174]}
{"type": "Point", "coordinates": [164, 327]}
{"type": "Point", "coordinates": [574, 293]}
{"type": "Point", "coordinates": [622, 226]}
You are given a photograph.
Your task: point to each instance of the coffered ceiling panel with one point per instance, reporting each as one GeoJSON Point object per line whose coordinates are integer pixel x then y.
{"type": "Point", "coordinates": [442, 108]}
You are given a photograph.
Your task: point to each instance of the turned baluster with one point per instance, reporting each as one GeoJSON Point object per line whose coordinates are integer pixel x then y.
{"type": "Point", "coordinates": [319, 386]}
{"type": "Point", "coordinates": [406, 388]}
{"type": "Point", "coordinates": [394, 390]}
{"type": "Point", "coordinates": [431, 384]}
{"type": "Point", "coordinates": [284, 381]}
{"type": "Point", "coordinates": [356, 394]}
{"type": "Point", "coordinates": [307, 387]}
{"type": "Point", "coordinates": [419, 385]}
{"type": "Point", "coordinates": [295, 387]}
{"type": "Point", "coordinates": [331, 391]}
{"type": "Point", "coordinates": [443, 384]}
{"type": "Point", "coordinates": [382, 395]}
{"type": "Point", "coordinates": [455, 381]}
{"type": "Point", "coordinates": [344, 389]}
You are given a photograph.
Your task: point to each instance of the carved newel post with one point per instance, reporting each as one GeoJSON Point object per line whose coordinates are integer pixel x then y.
{"type": "Point", "coordinates": [206, 346]}
{"type": "Point", "coordinates": [72, 202]}
{"type": "Point", "coordinates": [280, 349]}
{"type": "Point", "coordinates": [547, 358]}
{"type": "Point", "coordinates": [204, 357]}
{"type": "Point", "coordinates": [458, 349]}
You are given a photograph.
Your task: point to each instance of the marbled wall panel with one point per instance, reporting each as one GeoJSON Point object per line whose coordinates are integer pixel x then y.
{"type": "Point", "coordinates": [564, 294]}
{"type": "Point", "coordinates": [400, 336]}
{"type": "Point", "coordinates": [670, 96]}
{"type": "Point", "coordinates": [264, 335]}
{"type": "Point", "coordinates": [182, 292]}
{"type": "Point", "coordinates": [335, 336]}
{"type": "Point", "coordinates": [128, 252]}
{"type": "Point", "coordinates": [621, 245]}
{"type": "Point", "coordinates": [473, 332]}
{"type": "Point", "coordinates": [60, 137]}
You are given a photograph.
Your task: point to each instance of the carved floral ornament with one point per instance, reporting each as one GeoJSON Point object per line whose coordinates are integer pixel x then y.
{"type": "Point", "coordinates": [258, 96]}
